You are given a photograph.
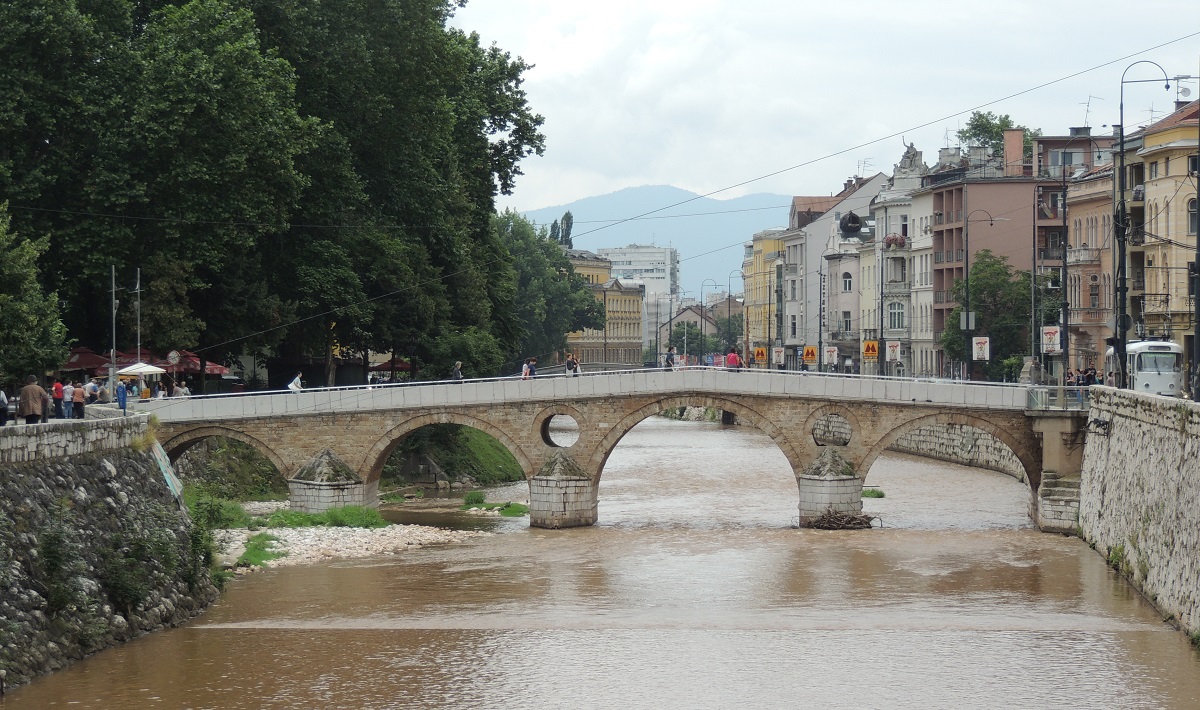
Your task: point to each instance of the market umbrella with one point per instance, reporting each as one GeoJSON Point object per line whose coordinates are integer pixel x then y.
{"type": "Point", "coordinates": [141, 368]}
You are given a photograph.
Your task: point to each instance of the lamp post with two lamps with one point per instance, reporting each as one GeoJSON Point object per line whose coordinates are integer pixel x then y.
{"type": "Point", "coordinates": [1121, 225]}
{"type": "Point", "coordinates": [728, 305]}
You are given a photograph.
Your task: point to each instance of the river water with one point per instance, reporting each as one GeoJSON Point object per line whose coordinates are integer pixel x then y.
{"type": "Point", "coordinates": [694, 591]}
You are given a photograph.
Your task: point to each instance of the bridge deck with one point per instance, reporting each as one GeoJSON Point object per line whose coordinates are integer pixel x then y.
{"type": "Point", "coordinates": [548, 390]}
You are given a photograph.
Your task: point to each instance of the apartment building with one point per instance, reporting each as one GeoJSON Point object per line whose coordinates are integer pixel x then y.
{"type": "Point", "coordinates": [620, 341]}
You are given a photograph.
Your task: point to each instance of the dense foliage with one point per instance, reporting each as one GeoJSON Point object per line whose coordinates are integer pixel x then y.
{"type": "Point", "coordinates": [1000, 299]}
{"type": "Point", "coordinates": [32, 338]}
{"type": "Point", "coordinates": [300, 176]}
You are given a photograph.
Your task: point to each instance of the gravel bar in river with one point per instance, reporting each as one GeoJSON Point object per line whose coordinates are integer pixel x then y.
{"type": "Point", "coordinates": [323, 544]}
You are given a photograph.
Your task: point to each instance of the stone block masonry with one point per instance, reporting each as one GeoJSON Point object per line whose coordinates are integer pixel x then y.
{"type": "Point", "coordinates": [94, 548]}
{"type": "Point", "coordinates": [319, 496]}
{"type": "Point", "coordinates": [562, 502]}
{"type": "Point", "coordinates": [1139, 498]}
{"type": "Point", "coordinates": [962, 445]}
{"type": "Point", "coordinates": [59, 438]}
{"type": "Point", "coordinates": [818, 494]}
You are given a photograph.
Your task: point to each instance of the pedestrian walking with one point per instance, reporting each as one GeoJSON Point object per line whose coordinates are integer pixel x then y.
{"type": "Point", "coordinates": [525, 369]}
{"type": "Point", "coordinates": [732, 361]}
{"type": "Point", "coordinates": [572, 365]}
{"type": "Point", "coordinates": [57, 393]}
{"type": "Point", "coordinates": [296, 384]}
{"type": "Point", "coordinates": [122, 395]}
{"type": "Point", "coordinates": [669, 360]}
{"type": "Point", "coordinates": [68, 400]}
{"type": "Point", "coordinates": [34, 401]}
{"type": "Point", "coordinates": [3, 407]}
{"type": "Point", "coordinates": [532, 367]}
{"type": "Point", "coordinates": [79, 396]}
{"type": "Point", "coordinates": [457, 375]}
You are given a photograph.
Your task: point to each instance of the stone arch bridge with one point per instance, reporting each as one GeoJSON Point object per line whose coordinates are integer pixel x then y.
{"type": "Point", "coordinates": [866, 415]}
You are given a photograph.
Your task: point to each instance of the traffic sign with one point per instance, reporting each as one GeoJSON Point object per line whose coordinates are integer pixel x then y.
{"type": "Point", "coordinates": [810, 354]}
{"type": "Point", "coordinates": [760, 355]}
{"type": "Point", "coordinates": [870, 350]}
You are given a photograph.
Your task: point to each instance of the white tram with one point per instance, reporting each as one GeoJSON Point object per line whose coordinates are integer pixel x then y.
{"type": "Point", "coordinates": [1153, 366]}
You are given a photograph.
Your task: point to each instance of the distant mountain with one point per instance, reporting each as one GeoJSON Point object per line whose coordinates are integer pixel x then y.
{"type": "Point", "coordinates": [708, 233]}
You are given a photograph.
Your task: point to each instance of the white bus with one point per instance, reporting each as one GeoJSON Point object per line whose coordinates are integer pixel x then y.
{"type": "Point", "coordinates": [1153, 366]}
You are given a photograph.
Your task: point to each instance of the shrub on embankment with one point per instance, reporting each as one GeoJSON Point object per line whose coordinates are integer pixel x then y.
{"type": "Point", "coordinates": [459, 451]}
{"type": "Point", "coordinates": [94, 551]}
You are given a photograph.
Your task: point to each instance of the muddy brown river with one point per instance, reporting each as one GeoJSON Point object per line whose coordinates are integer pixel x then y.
{"type": "Point", "coordinates": [694, 591]}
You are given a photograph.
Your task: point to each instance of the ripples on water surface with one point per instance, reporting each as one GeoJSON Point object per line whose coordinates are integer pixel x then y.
{"type": "Point", "coordinates": [693, 592]}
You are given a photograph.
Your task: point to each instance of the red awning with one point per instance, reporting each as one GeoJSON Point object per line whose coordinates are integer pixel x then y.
{"type": "Point", "coordinates": [393, 365]}
{"type": "Point", "coordinates": [189, 363]}
{"type": "Point", "coordinates": [132, 357]}
{"type": "Point", "coordinates": [84, 359]}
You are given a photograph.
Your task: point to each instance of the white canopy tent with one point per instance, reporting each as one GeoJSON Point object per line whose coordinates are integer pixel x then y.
{"type": "Point", "coordinates": [141, 368]}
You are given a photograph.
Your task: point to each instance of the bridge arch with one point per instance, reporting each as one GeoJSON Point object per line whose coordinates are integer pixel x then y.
{"type": "Point", "coordinates": [379, 452]}
{"type": "Point", "coordinates": [748, 414]}
{"type": "Point", "coordinates": [1026, 454]}
{"type": "Point", "coordinates": [178, 445]}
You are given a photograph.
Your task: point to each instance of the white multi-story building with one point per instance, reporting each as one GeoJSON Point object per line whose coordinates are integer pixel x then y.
{"type": "Point", "coordinates": [657, 269]}
{"type": "Point", "coordinates": [811, 237]}
{"type": "Point", "coordinates": [890, 317]}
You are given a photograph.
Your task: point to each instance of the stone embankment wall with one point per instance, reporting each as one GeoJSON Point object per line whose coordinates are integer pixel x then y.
{"type": "Point", "coordinates": [94, 548]}
{"type": "Point", "coordinates": [1139, 501]}
{"type": "Point", "coordinates": [962, 445]}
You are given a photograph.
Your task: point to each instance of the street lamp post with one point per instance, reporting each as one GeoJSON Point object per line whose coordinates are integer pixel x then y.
{"type": "Point", "coordinates": [967, 322]}
{"type": "Point", "coordinates": [1121, 225]}
{"type": "Point", "coordinates": [704, 317]}
{"type": "Point", "coordinates": [728, 305]}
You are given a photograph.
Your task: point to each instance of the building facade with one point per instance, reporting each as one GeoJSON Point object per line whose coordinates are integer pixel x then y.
{"type": "Point", "coordinates": [620, 341]}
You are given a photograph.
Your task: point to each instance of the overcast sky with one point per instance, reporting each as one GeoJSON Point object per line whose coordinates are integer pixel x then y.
{"type": "Point", "coordinates": [704, 94]}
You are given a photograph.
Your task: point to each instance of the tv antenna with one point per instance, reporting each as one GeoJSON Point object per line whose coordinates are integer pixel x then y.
{"type": "Point", "coordinates": [1088, 107]}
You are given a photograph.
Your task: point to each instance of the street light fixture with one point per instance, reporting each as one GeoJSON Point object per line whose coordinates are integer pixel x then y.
{"type": "Point", "coordinates": [728, 305]}
{"type": "Point", "coordinates": [1121, 225]}
{"type": "Point", "coordinates": [967, 320]}
{"type": "Point", "coordinates": [704, 316]}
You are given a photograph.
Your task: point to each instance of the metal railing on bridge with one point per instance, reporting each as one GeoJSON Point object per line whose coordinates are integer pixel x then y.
{"type": "Point", "coordinates": [1049, 398]}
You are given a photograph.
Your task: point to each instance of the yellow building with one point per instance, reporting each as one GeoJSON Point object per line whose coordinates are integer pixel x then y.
{"type": "Point", "coordinates": [620, 343]}
{"type": "Point", "coordinates": [1163, 240]}
{"type": "Point", "coordinates": [760, 277]}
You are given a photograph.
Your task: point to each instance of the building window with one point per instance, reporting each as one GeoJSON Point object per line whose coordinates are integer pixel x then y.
{"type": "Point", "coordinates": [1094, 295]}
{"type": "Point", "coordinates": [1154, 170]}
{"type": "Point", "coordinates": [1192, 216]}
{"type": "Point", "coordinates": [1192, 164]}
{"type": "Point", "coordinates": [846, 321]}
{"type": "Point", "coordinates": [792, 289]}
{"type": "Point", "coordinates": [847, 281]}
{"type": "Point", "coordinates": [793, 327]}
{"type": "Point", "coordinates": [895, 316]}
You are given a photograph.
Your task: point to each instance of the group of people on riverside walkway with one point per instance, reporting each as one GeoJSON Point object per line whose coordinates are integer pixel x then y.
{"type": "Point", "coordinates": [66, 398]}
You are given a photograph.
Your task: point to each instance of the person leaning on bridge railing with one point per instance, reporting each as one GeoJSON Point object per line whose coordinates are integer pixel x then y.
{"type": "Point", "coordinates": [733, 361]}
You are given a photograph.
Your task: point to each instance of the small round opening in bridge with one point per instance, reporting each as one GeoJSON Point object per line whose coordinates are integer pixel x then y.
{"type": "Point", "coordinates": [831, 430]}
{"type": "Point", "coordinates": [560, 430]}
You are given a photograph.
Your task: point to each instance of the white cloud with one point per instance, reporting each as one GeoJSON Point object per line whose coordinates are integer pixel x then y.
{"type": "Point", "coordinates": [702, 95]}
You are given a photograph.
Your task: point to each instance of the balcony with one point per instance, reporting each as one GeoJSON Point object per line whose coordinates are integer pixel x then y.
{"type": "Point", "coordinates": [939, 257]}
{"type": "Point", "coordinates": [1137, 283]}
{"type": "Point", "coordinates": [1137, 236]}
{"type": "Point", "coordinates": [844, 335]}
{"type": "Point", "coordinates": [1083, 255]}
{"type": "Point", "coordinates": [939, 296]}
{"type": "Point", "coordinates": [1051, 254]}
{"type": "Point", "coordinates": [897, 287]}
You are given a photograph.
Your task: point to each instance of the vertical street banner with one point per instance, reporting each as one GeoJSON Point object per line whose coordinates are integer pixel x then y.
{"type": "Point", "coordinates": [776, 355]}
{"type": "Point", "coordinates": [893, 351]}
{"type": "Point", "coordinates": [810, 354]}
{"type": "Point", "coordinates": [870, 350]}
{"type": "Point", "coordinates": [1051, 345]}
{"type": "Point", "coordinates": [831, 355]}
{"type": "Point", "coordinates": [981, 348]}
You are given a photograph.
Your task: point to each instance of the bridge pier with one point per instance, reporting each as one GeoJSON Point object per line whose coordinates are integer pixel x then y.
{"type": "Point", "coordinates": [562, 495]}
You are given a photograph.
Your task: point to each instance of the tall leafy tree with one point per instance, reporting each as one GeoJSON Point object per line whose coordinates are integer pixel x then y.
{"type": "Point", "coordinates": [567, 224]}
{"type": "Point", "coordinates": [553, 300]}
{"type": "Point", "coordinates": [1000, 300]}
{"type": "Point", "coordinates": [32, 337]}
{"type": "Point", "coordinates": [987, 129]}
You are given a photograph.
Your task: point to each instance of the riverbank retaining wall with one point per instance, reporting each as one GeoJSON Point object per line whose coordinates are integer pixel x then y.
{"type": "Point", "coordinates": [960, 444]}
{"type": "Point", "coordinates": [95, 549]}
{"type": "Point", "coordinates": [1139, 501]}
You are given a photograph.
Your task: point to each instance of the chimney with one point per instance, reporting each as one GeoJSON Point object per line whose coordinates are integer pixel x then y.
{"type": "Point", "coordinates": [1081, 131]}
{"type": "Point", "coordinates": [1014, 152]}
{"type": "Point", "coordinates": [1180, 104]}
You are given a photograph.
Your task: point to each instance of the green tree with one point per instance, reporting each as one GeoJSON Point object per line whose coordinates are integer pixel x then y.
{"type": "Point", "coordinates": [1000, 300]}
{"type": "Point", "coordinates": [987, 129]}
{"type": "Point", "coordinates": [567, 223]}
{"type": "Point", "coordinates": [32, 337]}
{"type": "Point", "coordinates": [729, 332]}
{"type": "Point", "coordinates": [553, 300]}
{"type": "Point", "coordinates": [686, 337]}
